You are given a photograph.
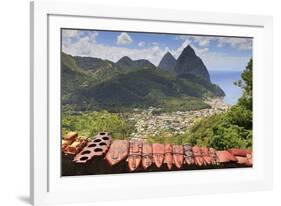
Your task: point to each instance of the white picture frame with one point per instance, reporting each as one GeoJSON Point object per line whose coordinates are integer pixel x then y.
{"type": "Point", "coordinates": [47, 186]}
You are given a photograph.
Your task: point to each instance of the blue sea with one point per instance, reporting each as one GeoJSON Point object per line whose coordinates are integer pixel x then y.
{"type": "Point", "coordinates": [226, 79]}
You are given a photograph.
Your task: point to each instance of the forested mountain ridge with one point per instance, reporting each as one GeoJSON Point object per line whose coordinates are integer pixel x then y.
{"type": "Point", "coordinates": [90, 83]}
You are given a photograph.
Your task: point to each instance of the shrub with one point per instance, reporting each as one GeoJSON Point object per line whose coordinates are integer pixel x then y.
{"type": "Point", "coordinates": [89, 124]}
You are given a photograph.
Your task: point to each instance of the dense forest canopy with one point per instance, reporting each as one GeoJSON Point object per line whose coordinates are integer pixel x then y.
{"type": "Point", "coordinates": [233, 128]}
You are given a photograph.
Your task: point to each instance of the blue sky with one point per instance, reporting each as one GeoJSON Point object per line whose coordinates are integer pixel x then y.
{"type": "Point", "coordinates": [218, 53]}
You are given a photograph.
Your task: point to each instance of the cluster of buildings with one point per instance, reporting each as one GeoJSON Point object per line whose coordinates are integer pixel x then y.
{"type": "Point", "coordinates": [151, 123]}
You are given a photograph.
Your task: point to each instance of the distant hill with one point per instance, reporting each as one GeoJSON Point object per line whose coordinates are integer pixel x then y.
{"type": "Point", "coordinates": [91, 63]}
{"type": "Point", "coordinates": [127, 64]}
{"type": "Point", "coordinates": [95, 84]}
{"type": "Point", "coordinates": [168, 62]}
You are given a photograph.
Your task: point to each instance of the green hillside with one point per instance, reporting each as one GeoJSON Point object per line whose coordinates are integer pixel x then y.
{"type": "Point", "coordinates": [104, 85]}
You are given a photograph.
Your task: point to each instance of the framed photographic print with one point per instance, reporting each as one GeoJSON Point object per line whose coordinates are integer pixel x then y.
{"type": "Point", "coordinates": [163, 104]}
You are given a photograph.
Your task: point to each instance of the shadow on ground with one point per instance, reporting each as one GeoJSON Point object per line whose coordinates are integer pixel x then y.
{"type": "Point", "coordinates": [24, 199]}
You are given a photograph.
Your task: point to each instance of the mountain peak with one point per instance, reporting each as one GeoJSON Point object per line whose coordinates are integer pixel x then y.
{"type": "Point", "coordinates": [189, 63]}
{"type": "Point", "coordinates": [128, 64]}
{"type": "Point", "coordinates": [168, 62]}
{"type": "Point", "coordinates": [188, 50]}
{"type": "Point", "coordinates": [125, 59]}
{"type": "Point", "coordinates": [168, 54]}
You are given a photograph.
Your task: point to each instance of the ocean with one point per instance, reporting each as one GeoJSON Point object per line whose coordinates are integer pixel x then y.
{"type": "Point", "coordinates": [226, 79]}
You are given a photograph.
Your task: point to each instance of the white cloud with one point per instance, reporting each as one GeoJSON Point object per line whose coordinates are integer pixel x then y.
{"type": "Point", "coordinates": [200, 40]}
{"type": "Point", "coordinates": [179, 50]}
{"type": "Point", "coordinates": [69, 33]}
{"type": "Point", "coordinates": [124, 39]}
{"type": "Point", "coordinates": [235, 42]}
{"type": "Point", "coordinates": [141, 44]}
{"type": "Point", "coordinates": [220, 61]}
{"type": "Point", "coordinates": [239, 43]}
{"type": "Point", "coordinates": [187, 41]}
{"type": "Point", "coordinates": [84, 46]}
{"type": "Point", "coordinates": [204, 43]}
{"type": "Point", "coordinates": [92, 36]}
{"type": "Point", "coordinates": [214, 60]}
{"type": "Point", "coordinates": [69, 36]}
{"type": "Point", "coordinates": [87, 46]}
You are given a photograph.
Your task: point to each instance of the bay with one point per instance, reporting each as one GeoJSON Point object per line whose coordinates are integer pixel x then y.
{"type": "Point", "coordinates": [226, 79]}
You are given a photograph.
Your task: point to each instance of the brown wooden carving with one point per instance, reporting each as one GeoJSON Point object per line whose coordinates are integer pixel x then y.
{"type": "Point", "coordinates": [97, 147]}
{"type": "Point", "coordinates": [71, 136]}
{"type": "Point", "coordinates": [225, 157]}
{"type": "Point", "coordinates": [117, 152]}
{"type": "Point", "coordinates": [145, 153]}
{"type": "Point", "coordinates": [76, 146]}
{"type": "Point", "coordinates": [243, 161]}
{"type": "Point", "coordinates": [169, 155]}
{"type": "Point", "coordinates": [239, 152]}
{"type": "Point", "coordinates": [213, 155]}
{"type": "Point", "coordinates": [68, 139]}
{"type": "Point", "coordinates": [158, 154]}
{"type": "Point", "coordinates": [198, 160]}
{"type": "Point", "coordinates": [188, 154]}
{"type": "Point", "coordinates": [250, 159]}
{"type": "Point", "coordinates": [205, 155]}
{"type": "Point", "coordinates": [134, 158]}
{"type": "Point", "coordinates": [178, 155]}
{"type": "Point", "coordinates": [147, 157]}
